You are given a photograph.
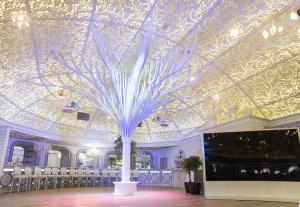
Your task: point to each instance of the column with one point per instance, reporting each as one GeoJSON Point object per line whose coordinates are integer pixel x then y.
{"type": "Point", "coordinates": [42, 150]}
{"type": "Point", "coordinates": [126, 159]}
{"type": "Point", "coordinates": [4, 136]}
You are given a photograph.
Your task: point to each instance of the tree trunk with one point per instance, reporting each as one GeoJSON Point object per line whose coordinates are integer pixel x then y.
{"type": "Point", "coordinates": [126, 159]}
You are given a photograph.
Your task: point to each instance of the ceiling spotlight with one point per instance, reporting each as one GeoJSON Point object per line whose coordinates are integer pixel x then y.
{"type": "Point", "coordinates": [234, 32]}
{"type": "Point", "coordinates": [280, 29]}
{"type": "Point", "coordinates": [192, 78]}
{"type": "Point", "coordinates": [265, 34]}
{"type": "Point", "coordinates": [108, 117]}
{"type": "Point", "coordinates": [294, 16]}
{"type": "Point", "coordinates": [216, 98]}
{"type": "Point", "coordinates": [273, 30]}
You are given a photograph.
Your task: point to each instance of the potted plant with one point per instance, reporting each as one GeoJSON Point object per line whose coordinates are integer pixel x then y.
{"type": "Point", "coordinates": [191, 164]}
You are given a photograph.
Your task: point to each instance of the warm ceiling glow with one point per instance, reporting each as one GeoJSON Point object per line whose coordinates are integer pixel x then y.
{"type": "Point", "coordinates": [294, 16]}
{"type": "Point", "coordinates": [20, 19]}
{"type": "Point", "coordinates": [234, 32]}
{"type": "Point", "coordinates": [280, 29]}
{"type": "Point", "coordinates": [273, 30]}
{"type": "Point", "coordinates": [265, 34]}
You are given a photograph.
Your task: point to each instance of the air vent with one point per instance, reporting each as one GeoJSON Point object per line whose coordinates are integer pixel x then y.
{"type": "Point", "coordinates": [83, 116]}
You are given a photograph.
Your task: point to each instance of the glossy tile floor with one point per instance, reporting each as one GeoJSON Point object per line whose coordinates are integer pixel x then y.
{"type": "Point", "coordinates": [100, 197]}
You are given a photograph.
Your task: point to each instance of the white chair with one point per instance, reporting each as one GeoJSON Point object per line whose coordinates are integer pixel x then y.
{"type": "Point", "coordinates": [135, 175]}
{"type": "Point", "coordinates": [53, 177]}
{"type": "Point", "coordinates": [63, 177]}
{"type": "Point", "coordinates": [97, 178]}
{"type": "Point", "coordinates": [73, 176]}
{"type": "Point", "coordinates": [88, 176]}
{"type": "Point", "coordinates": [113, 176]}
{"type": "Point", "coordinates": [81, 176]}
{"type": "Point", "coordinates": [44, 177]}
{"type": "Point", "coordinates": [35, 178]}
{"type": "Point", "coordinates": [105, 177]}
{"type": "Point", "coordinates": [17, 176]}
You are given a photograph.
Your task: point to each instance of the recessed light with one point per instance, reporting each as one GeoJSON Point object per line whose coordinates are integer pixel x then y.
{"type": "Point", "coordinates": [265, 34]}
{"type": "Point", "coordinates": [294, 16]}
{"type": "Point", "coordinates": [192, 78]}
{"type": "Point", "coordinates": [234, 32]}
{"type": "Point", "coordinates": [216, 97]}
{"type": "Point", "coordinates": [108, 117]}
{"type": "Point", "coordinates": [273, 30]}
{"type": "Point", "coordinates": [280, 29]}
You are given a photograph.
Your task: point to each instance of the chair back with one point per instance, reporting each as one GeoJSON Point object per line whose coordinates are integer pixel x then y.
{"type": "Point", "coordinates": [72, 172]}
{"type": "Point", "coordinates": [17, 171]}
{"type": "Point", "coordinates": [37, 170]}
{"type": "Point", "coordinates": [135, 173]}
{"type": "Point", "coordinates": [112, 173]}
{"type": "Point", "coordinates": [97, 172]}
{"type": "Point", "coordinates": [88, 171]}
{"type": "Point", "coordinates": [54, 171]}
{"type": "Point", "coordinates": [28, 171]}
{"type": "Point", "coordinates": [80, 171]}
{"type": "Point", "coordinates": [47, 171]}
{"type": "Point", "coordinates": [104, 173]}
{"type": "Point", "coordinates": [63, 171]}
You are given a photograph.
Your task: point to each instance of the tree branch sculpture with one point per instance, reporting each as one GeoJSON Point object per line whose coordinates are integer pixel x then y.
{"type": "Point", "coordinates": [128, 96]}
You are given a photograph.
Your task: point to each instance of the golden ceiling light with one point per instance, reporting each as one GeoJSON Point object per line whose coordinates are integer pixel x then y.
{"type": "Point", "coordinates": [265, 34]}
{"type": "Point", "coordinates": [234, 32]}
{"type": "Point", "coordinates": [273, 30]}
{"type": "Point", "coordinates": [294, 16]}
{"type": "Point", "coordinates": [280, 29]}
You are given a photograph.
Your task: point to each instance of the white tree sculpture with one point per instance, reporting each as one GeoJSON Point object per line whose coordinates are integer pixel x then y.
{"type": "Point", "coordinates": [127, 96]}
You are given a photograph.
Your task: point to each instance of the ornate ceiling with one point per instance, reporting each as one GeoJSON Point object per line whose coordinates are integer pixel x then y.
{"type": "Point", "coordinates": [235, 65]}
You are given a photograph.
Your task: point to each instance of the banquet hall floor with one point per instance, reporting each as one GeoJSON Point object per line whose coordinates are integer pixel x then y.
{"type": "Point", "coordinates": [146, 197]}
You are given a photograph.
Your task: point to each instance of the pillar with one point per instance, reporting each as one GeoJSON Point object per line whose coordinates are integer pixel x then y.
{"type": "Point", "coordinates": [4, 136]}
{"type": "Point", "coordinates": [42, 150]}
{"type": "Point", "coordinates": [126, 159]}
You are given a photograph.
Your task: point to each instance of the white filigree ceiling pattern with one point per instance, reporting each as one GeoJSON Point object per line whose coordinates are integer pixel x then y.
{"type": "Point", "coordinates": [235, 65]}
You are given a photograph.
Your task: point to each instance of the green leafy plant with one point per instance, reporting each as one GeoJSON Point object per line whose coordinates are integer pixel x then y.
{"type": "Point", "coordinates": [118, 148]}
{"type": "Point", "coordinates": [111, 161]}
{"type": "Point", "coordinates": [191, 164]}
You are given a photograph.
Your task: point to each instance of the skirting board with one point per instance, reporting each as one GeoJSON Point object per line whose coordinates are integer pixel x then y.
{"type": "Point", "coordinates": [255, 199]}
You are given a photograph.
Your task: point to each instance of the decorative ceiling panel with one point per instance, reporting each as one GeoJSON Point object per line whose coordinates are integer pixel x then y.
{"type": "Point", "coordinates": [234, 65]}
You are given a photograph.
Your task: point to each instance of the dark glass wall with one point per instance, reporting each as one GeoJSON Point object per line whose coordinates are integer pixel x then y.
{"type": "Point", "coordinates": [270, 155]}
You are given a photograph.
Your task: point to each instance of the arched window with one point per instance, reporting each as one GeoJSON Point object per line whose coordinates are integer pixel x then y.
{"type": "Point", "coordinates": [85, 160]}
{"type": "Point", "coordinates": [18, 155]}
{"type": "Point", "coordinates": [54, 158]}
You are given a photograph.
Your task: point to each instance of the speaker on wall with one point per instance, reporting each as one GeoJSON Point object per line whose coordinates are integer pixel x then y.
{"type": "Point", "coordinates": [83, 116]}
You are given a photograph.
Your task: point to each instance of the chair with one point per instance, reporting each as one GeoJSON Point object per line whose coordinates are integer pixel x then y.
{"type": "Point", "coordinates": [81, 176]}
{"type": "Point", "coordinates": [73, 176]}
{"type": "Point", "coordinates": [105, 177]}
{"type": "Point", "coordinates": [97, 178]}
{"type": "Point", "coordinates": [17, 176]}
{"type": "Point", "coordinates": [88, 176]}
{"type": "Point", "coordinates": [135, 175]}
{"type": "Point", "coordinates": [63, 176]}
{"type": "Point", "coordinates": [113, 176]}
{"type": "Point", "coordinates": [53, 177]}
{"type": "Point", "coordinates": [35, 178]}
{"type": "Point", "coordinates": [44, 177]}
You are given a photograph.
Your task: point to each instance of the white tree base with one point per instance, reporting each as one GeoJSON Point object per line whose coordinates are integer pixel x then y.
{"type": "Point", "coordinates": [125, 188]}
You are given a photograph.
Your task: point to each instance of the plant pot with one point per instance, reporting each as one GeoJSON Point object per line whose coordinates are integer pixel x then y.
{"type": "Point", "coordinates": [195, 188]}
{"type": "Point", "coordinates": [187, 186]}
